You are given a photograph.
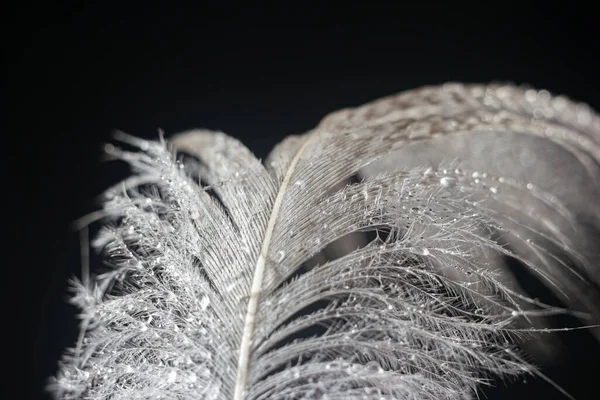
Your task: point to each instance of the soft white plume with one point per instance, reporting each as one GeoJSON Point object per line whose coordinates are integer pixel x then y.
{"type": "Point", "coordinates": [341, 267]}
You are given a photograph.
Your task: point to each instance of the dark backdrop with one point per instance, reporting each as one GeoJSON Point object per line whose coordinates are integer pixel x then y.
{"type": "Point", "coordinates": [77, 72]}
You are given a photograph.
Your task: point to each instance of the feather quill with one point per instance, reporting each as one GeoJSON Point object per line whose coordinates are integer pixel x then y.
{"type": "Point", "coordinates": [342, 267]}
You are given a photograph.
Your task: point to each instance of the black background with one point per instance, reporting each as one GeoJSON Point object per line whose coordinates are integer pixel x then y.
{"type": "Point", "coordinates": [77, 72]}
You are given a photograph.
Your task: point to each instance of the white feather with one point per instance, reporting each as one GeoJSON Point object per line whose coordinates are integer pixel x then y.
{"type": "Point", "coordinates": [232, 279]}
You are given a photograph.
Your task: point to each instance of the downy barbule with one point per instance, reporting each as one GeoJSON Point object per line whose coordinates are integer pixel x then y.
{"type": "Point", "coordinates": [372, 257]}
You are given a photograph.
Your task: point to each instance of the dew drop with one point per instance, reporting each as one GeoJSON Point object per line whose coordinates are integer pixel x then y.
{"type": "Point", "coordinates": [448, 181]}
{"type": "Point", "coordinates": [280, 256]}
{"type": "Point", "coordinates": [530, 186]}
{"type": "Point", "coordinates": [429, 172]}
{"type": "Point", "coordinates": [494, 189]}
{"type": "Point", "coordinates": [204, 303]}
{"type": "Point", "coordinates": [373, 366]}
{"type": "Point", "coordinates": [300, 183]}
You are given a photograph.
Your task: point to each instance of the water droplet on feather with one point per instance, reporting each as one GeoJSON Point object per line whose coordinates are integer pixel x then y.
{"type": "Point", "coordinates": [204, 303]}
{"type": "Point", "coordinates": [429, 172]}
{"type": "Point", "coordinates": [448, 181]}
{"type": "Point", "coordinates": [280, 256]}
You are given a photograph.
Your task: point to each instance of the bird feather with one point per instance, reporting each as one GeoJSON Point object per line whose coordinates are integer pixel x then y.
{"type": "Point", "coordinates": [362, 259]}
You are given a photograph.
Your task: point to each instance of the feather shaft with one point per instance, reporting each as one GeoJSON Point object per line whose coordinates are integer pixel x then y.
{"type": "Point", "coordinates": [257, 280]}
